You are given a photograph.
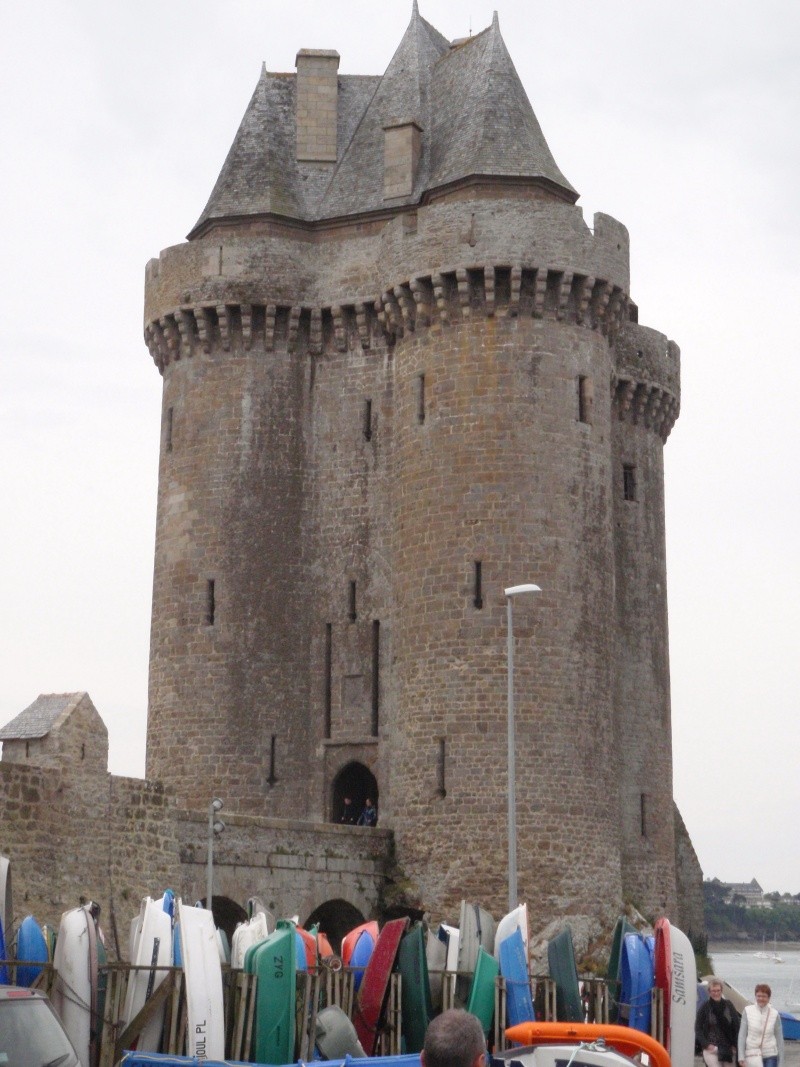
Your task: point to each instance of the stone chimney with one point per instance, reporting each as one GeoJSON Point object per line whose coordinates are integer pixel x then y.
{"type": "Point", "coordinates": [401, 150]}
{"type": "Point", "coordinates": [317, 93]}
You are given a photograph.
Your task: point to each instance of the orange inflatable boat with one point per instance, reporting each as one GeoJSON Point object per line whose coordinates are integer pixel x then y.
{"type": "Point", "coordinates": [624, 1039]}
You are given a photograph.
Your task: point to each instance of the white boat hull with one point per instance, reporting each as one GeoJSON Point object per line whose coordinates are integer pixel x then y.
{"type": "Point", "coordinates": [153, 950]}
{"type": "Point", "coordinates": [205, 1019]}
{"type": "Point", "coordinates": [683, 1000]}
{"type": "Point", "coordinates": [75, 986]}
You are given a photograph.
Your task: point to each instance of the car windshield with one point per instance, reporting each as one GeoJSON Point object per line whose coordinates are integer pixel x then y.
{"type": "Point", "coordinates": [31, 1035]}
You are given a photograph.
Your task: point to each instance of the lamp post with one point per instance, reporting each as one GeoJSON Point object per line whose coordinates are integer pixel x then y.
{"type": "Point", "coordinates": [215, 826]}
{"type": "Point", "coordinates": [510, 593]}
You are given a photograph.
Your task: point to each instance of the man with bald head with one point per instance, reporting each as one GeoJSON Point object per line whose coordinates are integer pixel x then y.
{"type": "Point", "coordinates": [454, 1039]}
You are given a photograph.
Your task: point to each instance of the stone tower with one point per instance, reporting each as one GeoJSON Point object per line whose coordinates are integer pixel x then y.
{"type": "Point", "coordinates": [401, 373]}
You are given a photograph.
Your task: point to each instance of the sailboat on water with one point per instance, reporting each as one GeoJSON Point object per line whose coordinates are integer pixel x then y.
{"type": "Point", "coordinates": [775, 957]}
{"type": "Point", "coordinates": [764, 955]}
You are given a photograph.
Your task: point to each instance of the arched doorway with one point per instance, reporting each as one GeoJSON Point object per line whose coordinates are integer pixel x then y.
{"type": "Point", "coordinates": [227, 914]}
{"type": "Point", "coordinates": [335, 918]}
{"type": "Point", "coordinates": [356, 782]}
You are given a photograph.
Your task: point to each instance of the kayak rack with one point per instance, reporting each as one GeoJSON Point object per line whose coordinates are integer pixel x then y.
{"type": "Point", "coordinates": [316, 989]}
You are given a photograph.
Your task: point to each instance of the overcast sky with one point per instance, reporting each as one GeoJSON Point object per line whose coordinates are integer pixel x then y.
{"type": "Point", "coordinates": [681, 119]}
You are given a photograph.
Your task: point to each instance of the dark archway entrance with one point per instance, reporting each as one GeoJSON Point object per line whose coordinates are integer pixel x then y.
{"type": "Point", "coordinates": [335, 918]}
{"type": "Point", "coordinates": [227, 914]}
{"type": "Point", "coordinates": [358, 783]}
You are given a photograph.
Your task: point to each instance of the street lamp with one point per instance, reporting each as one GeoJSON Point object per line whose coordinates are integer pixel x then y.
{"type": "Point", "coordinates": [215, 826]}
{"type": "Point", "coordinates": [511, 592]}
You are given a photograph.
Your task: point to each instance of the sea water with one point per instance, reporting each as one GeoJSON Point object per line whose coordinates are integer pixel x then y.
{"type": "Point", "coordinates": [742, 969]}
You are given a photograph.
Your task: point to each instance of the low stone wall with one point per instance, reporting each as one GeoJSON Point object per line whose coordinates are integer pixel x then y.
{"type": "Point", "coordinates": [84, 836]}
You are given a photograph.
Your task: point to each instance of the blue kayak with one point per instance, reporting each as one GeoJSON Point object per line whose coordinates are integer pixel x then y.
{"type": "Point", "coordinates": [157, 1059]}
{"type": "Point", "coordinates": [361, 956]}
{"type": "Point", "coordinates": [514, 968]}
{"type": "Point", "coordinates": [32, 948]}
{"type": "Point", "coordinates": [637, 979]}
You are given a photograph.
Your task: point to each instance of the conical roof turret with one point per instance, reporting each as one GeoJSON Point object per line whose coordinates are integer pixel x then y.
{"type": "Point", "coordinates": [484, 122]}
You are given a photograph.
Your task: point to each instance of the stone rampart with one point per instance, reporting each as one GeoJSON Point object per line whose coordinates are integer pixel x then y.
{"type": "Point", "coordinates": [298, 265]}
{"type": "Point", "coordinates": [115, 840]}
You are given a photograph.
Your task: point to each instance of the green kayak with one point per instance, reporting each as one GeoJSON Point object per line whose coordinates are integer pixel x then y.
{"type": "Point", "coordinates": [481, 994]}
{"type": "Point", "coordinates": [561, 964]}
{"type": "Point", "coordinates": [274, 962]}
{"type": "Point", "coordinates": [622, 928]}
{"type": "Point", "coordinates": [415, 983]}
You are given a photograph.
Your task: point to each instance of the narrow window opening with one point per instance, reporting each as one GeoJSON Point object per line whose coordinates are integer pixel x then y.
{"type": "Point", "coordinates": [585, 399]}
{"type": "Point", "coordinates": [643, 814]}
{"type": "Point", "coordinates": [367, 420]}
{"type": "Point", "coordinates": [441, 790]}
{"type": "Point", "coordinates": [83, 751]}
{"type": "Point", "coordinates": [420, 398]}
{"type": "Point", "coordinates": [272, 779]}
{"type": "Point", "coordinates": [376, 659]}
{"type": "Point", "coordinates": [477, 598]}
{"type": "Point", "coordinates": [328, 678]}
{"type": "Point", "coordinates": [351, 610]}
{"type": "Point", "coordinates": [628, 481]}
{"type": "Point", "coordinates": [27, 749]}
{"type": "Point", "coordinates": [168, 432]}
{"type": "Point", "coordinates": [211, 607]}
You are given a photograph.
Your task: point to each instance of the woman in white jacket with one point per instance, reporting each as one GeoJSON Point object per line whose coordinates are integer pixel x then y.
{"type": "Point", "coordinates": [761, 1033]}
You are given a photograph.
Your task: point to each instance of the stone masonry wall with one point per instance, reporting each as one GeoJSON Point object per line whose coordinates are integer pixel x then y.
{"type": "Point", "coordinates": [689, 878]}
{"type": "Point", "coordinates": [229, 513]}
{"type": "Point", "coordinates": [501, 471]}
{"type": "Point", "coordinates": [293, 866]}
{"type": "Point", "coordinates": [642, 691]}
{"type": "Point", "coordinates": [127, 840]}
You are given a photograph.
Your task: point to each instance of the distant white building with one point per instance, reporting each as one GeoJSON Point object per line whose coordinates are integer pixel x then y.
{"type": "Point", "coordinates": [751, 891]}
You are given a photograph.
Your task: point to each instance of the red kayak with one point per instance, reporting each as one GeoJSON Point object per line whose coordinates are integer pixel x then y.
{"type": "Point", "coordinates": [663, 971]}
{"type": "Point", "coordinates": [375, 985]}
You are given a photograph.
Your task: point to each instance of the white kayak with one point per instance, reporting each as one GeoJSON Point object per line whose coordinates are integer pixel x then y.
{"type": "Point", "coordinates": [247, 934]}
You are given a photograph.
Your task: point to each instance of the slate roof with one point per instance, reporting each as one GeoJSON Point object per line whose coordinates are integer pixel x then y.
{"type": "Point", "coordinates": [40, 717]}
{"type": "Point", "coordinates": [467, 98]}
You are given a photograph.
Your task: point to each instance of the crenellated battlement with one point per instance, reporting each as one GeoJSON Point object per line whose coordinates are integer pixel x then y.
{"type": "Point", "coordinates": [646, 404]}
{"type": "Point", "coordinates": [646, 385]}
{"type": "Point", "coordinates": [444, 297]}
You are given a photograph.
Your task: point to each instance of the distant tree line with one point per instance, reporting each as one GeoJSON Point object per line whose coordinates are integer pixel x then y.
{"type": "Point", "coordinates": [729, 920]}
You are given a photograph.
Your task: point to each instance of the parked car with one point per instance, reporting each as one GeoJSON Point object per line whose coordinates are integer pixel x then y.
{"type": "Point", "coordinates": [31, 1034]}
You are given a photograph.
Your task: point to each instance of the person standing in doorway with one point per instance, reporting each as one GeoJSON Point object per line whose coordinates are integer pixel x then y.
{"type": "Point", "coordinates": [348, 815]}
{"type": "Point", "coordinates": [369, 816]}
